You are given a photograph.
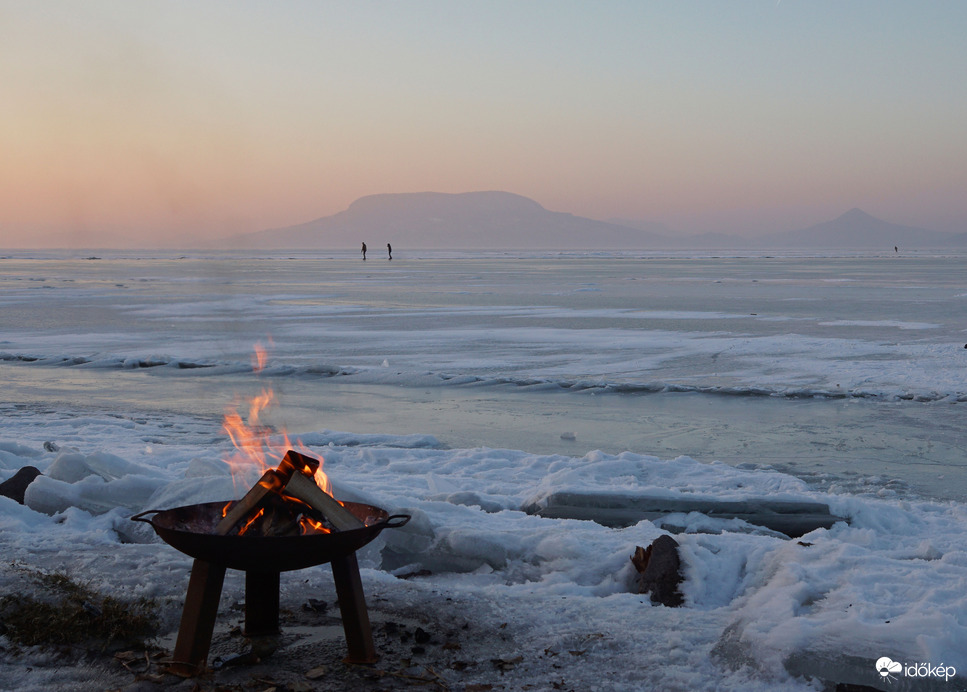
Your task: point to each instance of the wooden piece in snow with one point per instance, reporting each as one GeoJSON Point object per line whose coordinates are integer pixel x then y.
{"type": "Point", "coordinates": [659, 571]}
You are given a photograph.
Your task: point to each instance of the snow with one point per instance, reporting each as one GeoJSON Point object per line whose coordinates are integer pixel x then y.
{"type": "Point", "coordinates": [762, 612]}
{"type": "Point", "coordinates": [897, 574]}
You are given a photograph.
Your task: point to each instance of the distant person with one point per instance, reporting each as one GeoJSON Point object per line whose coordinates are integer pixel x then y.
{"type": "Point", "coordinates": [896, 249]}
{"type": "Point", "coordinates": [389, 249]}
{"type": "Point", "coordinates": [364, 252]}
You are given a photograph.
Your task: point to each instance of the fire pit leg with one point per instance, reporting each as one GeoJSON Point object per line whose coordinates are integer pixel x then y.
{"type": "Point", "coordinates": [198, 618]}
{"type": "Point", "coordinates": [261, 603]}
{"type": "Point", "coordinates": [352, 605]}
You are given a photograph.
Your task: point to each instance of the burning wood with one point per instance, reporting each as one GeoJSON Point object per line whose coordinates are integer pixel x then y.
{"type": "Point", "coordinates": [303, 487]}
{"type": "Point", "coordinates": [298, 480]}
{"type": "Point", "coordinates": [286, 501]}
{"type": "Point", "coordinates": [272, 481]}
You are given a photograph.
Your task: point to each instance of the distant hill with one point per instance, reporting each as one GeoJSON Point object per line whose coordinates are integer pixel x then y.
{"type": "Point", "coordinates": [643, 225]}
{"type": "Point", "coordinates": [858, 230]}
{"type": "Point", "coordinates": [498, 220]}
{"type": "Point", "coordinates": [470, 220]}
{"type": "Point", "coordinates": [667, 238]}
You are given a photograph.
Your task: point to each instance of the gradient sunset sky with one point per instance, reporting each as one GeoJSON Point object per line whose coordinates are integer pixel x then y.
{"type": "Point", "coordinates": [135, 123]}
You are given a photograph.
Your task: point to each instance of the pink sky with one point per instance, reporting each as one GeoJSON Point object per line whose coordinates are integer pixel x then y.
{"type": "Point", "coordinates": [139, 124]}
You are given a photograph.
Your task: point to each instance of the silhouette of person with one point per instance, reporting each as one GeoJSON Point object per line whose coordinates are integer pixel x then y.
{"type": "Point", "coordinates": [896, 249]}
{"type": "Point", "coordinates": [364, 252]}
{"type": "Point", "coordinates": [389, 249]}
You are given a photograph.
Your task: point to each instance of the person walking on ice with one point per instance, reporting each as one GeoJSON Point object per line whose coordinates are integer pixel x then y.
{"type": "Point", "coordinates": [389, 249]}
{"type": "Point", "coordinates": [364, 251]}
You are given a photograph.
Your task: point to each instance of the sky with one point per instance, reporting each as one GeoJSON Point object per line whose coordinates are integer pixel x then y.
{"type": "Point", "coordinates": [149, 124]}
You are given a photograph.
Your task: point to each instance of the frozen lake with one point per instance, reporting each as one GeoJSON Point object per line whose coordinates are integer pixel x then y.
{"type": "Point", "coordinates": [461, 389]}
{"type": "Point", "coordinates": [847, 371]}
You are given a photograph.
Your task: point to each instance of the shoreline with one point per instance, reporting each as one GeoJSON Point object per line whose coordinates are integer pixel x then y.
{"type": "Point", "coordinates": [857, 446]}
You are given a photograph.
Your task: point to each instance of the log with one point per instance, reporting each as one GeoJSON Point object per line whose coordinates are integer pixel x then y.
{"type": "Point", "coordinates": [302, 486]}
{"type": "Point", "coordinates": [659, 571]}
{"type": "Point", "coordinates": [294, 461]}
{"type": "Point", "coordinates": [272, 481]}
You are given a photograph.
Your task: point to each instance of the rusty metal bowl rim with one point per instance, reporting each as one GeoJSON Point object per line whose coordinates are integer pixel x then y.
{"type": "Point", "coordinates": [267, 553]}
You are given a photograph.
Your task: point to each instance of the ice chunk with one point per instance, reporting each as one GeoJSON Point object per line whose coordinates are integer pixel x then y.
{"type": "Point", "coordinates": [477, 546]}
{"type": "Point", "coordinates": [111, 467]}
{"type": "Point", "coordinates": [404, 545]}
{"type": "Point", "coordinates": [627, 509]}
{"type": "Point", "coordinates": [200, 467]}
{"type": "Point", "coordinates": [71, 466]}
{"type": "Point", "coordinates": [92, 494]}
{"type": "Point", "coordinates": [19, 450]}
{"type": "Point", "coordinates": [194, 490]}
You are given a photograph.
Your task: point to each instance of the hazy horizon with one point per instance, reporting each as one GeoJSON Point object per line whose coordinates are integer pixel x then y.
{"type": "Point", "coordinates": [156, 125]}
{"type": "Point", "coordinates": [339, 239]}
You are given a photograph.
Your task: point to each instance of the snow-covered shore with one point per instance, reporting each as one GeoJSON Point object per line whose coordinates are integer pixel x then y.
{"type": "Point", "coordinates": [761, 611]}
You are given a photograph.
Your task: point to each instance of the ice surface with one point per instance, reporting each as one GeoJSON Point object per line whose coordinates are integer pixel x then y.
{"type": "Point", "coordinates": [841, 326]}
{"type": "Point", "coordinates": [761, 612]}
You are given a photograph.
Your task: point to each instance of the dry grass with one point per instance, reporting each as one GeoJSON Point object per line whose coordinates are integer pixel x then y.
{"type": "Point", "coordinates": [68, 613]}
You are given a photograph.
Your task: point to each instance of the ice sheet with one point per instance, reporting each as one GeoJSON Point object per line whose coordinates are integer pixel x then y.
{"type": "Point", "coordinates": [880, 327]}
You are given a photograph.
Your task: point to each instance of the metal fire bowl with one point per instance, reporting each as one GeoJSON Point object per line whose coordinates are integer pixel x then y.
{"type": "Point", "coordinates": [189, 529]}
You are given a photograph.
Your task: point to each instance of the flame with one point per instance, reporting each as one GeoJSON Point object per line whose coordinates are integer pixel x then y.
{"type": "Point", "coordinates": [322, 480]}
{"type": "Point", "coordinates": [259, 447]}
{"type": "Point", "coordinates": [251, 521]}
{"type": "Point", "coordinates": [310, 525]}
{"type": "Point", "coordinates": [260, 357]}
{"type": "Point", "coordinates": [251, 439]}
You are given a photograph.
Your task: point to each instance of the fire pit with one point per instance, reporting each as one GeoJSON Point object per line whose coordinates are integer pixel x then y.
{"type": "Point", "coordinates": [219, 535]}
{"type": "Point", "coordinates": [189, 529]}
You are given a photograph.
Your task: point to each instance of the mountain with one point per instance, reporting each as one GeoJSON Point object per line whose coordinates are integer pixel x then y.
{"type": "Point", "coordinates": [642, 225]}
{"type": "Point", "coordinates": [470, 220]}
{"type": "Point", "coordinates": [502, 220]}
{"type": "Point", "coordinates": [858, 230]}
{"type": "Point", "coordinates": [668, 239]}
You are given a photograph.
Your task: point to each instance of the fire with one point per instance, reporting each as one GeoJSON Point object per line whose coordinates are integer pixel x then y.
{"type": "Point", "coordinates": [251, 521]}
{"type": "Point", "coordinates": [292, 495]}
{"type": "Point", "coordinates": [258, 446]}
{"type": "Point", "coordinates": [316, 526]}
{"type": "Point", "coordinates": [260, 357]}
